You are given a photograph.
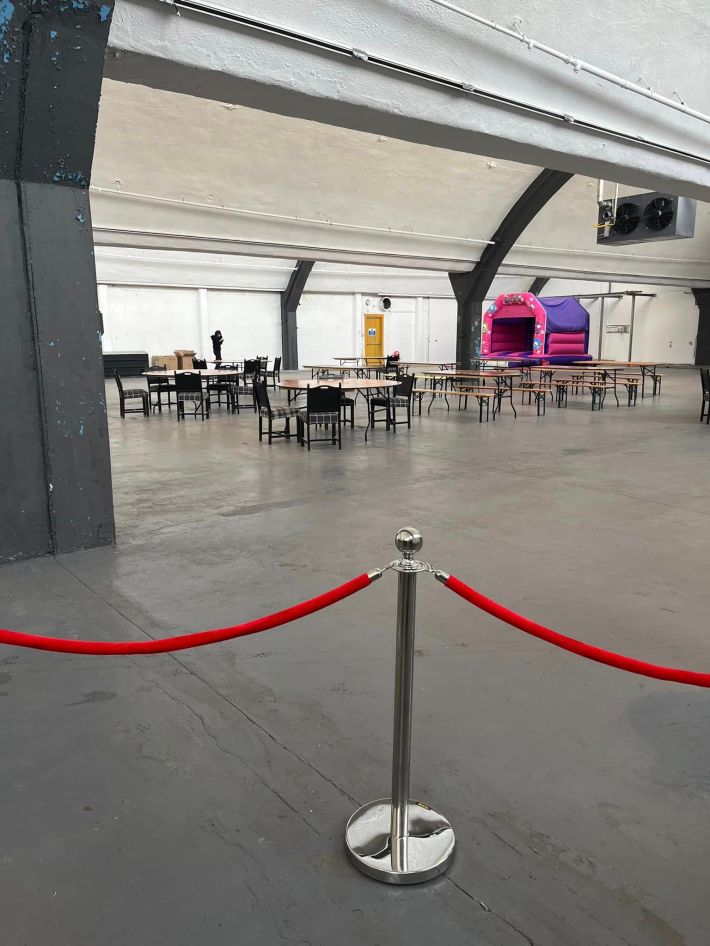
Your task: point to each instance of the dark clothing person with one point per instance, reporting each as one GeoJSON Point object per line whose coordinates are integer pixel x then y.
{"type": "Point", "coordinates": [217, 340]}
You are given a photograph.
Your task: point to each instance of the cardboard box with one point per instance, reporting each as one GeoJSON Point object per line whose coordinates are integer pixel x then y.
{"type": "Point", "coordinates": [184, 358]}
{"type": "Point", "coordinates": [165, 361]}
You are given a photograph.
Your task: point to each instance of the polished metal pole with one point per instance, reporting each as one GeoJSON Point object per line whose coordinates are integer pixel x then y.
{"type": "Point", "coordinates": [395, 839]}
{"type": "Point", "coordinates": [402, 741]}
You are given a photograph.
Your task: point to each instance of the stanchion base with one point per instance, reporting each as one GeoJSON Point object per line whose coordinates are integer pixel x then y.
{"type": "Point", "coordinates": [427, 852]}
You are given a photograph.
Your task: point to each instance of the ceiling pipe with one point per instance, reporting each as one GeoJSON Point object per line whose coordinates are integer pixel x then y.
{"type": "Point", "coordinates": [579, 65]}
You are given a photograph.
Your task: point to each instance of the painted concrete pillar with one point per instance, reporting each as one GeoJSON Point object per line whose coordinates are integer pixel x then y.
{"type": "Point", "coordinates": [55, 474]}
{"type": "Point", "coordinates": [469, 313]}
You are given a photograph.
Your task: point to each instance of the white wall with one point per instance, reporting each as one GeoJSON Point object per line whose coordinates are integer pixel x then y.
{"type": "Point", "coordinates": [241, 297]}
{"type": "Point", "coordinates": [327, 327]}
{"type": "Point", "coordinates": [665, 325]}
{"type": "Point", "coordinates": [249, 321]}
{"type": "Point", "coordinates": [152, 319]}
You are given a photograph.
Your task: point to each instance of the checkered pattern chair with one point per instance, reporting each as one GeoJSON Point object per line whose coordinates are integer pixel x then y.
{"type": "Point", "coordinates": [323, 408]}
{"type": "Point", "coordinates": [401, 397]}
{"type": "Point", "coordinates": [275, 373]}
{"type": "Point", "coordinates": [241, 389]}
{"type": "Point", "coordinates": [132, 394]}
{"type": "Point", "coordinates": [269, 413]}
{"type": "Point", "coordinates": [188, 389]}
{"type": "Point", "coordinates": [705, 382]}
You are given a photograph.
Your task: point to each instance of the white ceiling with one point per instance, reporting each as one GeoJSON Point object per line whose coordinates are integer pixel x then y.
{"type": "Point", "coordinates": [169, 165]}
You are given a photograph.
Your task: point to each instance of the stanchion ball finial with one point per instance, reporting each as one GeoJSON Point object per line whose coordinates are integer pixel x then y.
{"type": "Point", "coordinates": [409, 540]}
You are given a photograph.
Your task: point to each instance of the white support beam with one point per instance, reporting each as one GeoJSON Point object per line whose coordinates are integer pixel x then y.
{"type": "Point", "coordinates": [561, 124]}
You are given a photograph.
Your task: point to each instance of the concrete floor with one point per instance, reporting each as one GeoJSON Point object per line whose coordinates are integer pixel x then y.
{"type": "Point", "coordinates": [201, 798]}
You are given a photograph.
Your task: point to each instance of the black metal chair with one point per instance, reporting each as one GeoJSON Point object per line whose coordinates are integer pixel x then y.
{"type": "Point", "coordinates": [245, 387]}
{"type": "Point", "coordinates": [218, 385]}
{"type": "Point", "coordinates": [274, 374]}
{"type": "Point", "coordinates": [188, 387]}
{"type": "Point", "coordinates": [132, 394]}
{"type": "Point", "coordinates": [705, 382]}
{"type": "Point", "coordinates": [263, 364]}
{"type": "Point", "coordinates": [252, 370]}
{"type": "Point", "coordinates": [391, 368]}
{"type": "Point", "coordinates": [160, 386]}
{"type": "Point", "coordinates": [400, 397]}
{"type": "Point", "coordinates": [348, 404]}
{"type": "Point", "coordinates": [261, 398]}
{"type": "Point", "coordinates": [199, 364]}
{"type": "Point", "coordinates": [322, 408]}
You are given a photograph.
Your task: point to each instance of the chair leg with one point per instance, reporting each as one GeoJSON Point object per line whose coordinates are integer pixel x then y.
{"type": "Point", "coordinates": [261, 428]}
{"type": "Point", "coordinates": [271, 428]}
{"type": "Point", "coordinates": [340, 434]}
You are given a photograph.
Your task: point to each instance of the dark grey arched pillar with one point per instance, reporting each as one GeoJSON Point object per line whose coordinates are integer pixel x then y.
{"type": "Point", "coordinates": [539, 284]}
{"type": "Point", "coordinates": [289, 309]}
{"type": "Point", "coordinates": [56, 475]}
{"type": "Point", "coordinates": [470, 288]}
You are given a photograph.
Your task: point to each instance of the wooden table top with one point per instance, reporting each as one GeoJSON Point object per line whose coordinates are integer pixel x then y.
{"type": "Point", "coordinates": [427, 364]}
{"type": "Point", "coordinates": [470, 373]}
{"type": "Point", "coordinates": [620, 364]}
{"type": "Point", "coordinates": [338, 368]}
{"type": "Point", "coordinates": [205, 372]}
{"type": "Point", "coordinates": [371, 362]}
{"type": "Point", "coordinates": [348, 384]}
{"type": "Point", "coordinates": [577, 369]}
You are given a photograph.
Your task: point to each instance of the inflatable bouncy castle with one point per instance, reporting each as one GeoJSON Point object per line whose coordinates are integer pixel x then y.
{"type": "Point", "coordinates": [521, 328]}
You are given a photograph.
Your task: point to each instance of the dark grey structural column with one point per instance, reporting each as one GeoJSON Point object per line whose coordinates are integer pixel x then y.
{"type": "Point", "coordinates": [55, 474]}
{"type": "Point", "coordinates": [290, 298]}
{"type": "Point", "coordinates": [539, 284]}
{"type": "Point", "coordinates": [470, 288]}
{"type": "Point", "coordinates": [702, 345]}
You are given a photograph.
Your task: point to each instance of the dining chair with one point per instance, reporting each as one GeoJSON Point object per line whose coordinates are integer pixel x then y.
{"type": "Point", "coordinates": [160, 386]}
{"type": "Point", "coordinates": [323, 405]}
{"type": "Point", "coordinates": [274, 373]}
{"type": "Point", "coordinates": [188, 387]}
{"type": "Point", "coordinates": [401, 396]}
{"type": "Point", "coordinates": [705, 406]}
{"type": "Point", "coordinates": [261, 398]}
{"type": "Point", "coordinates": [131, 394]}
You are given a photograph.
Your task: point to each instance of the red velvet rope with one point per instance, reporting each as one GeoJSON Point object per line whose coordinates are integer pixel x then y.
{"type": "Point", "coordinates": [576, 647]}
{"type": "Point", "coordinates": [185, 641]}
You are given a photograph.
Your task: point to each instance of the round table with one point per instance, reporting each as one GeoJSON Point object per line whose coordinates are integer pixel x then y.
{"type": "Point", "coordinates": [361, 385]}
{"type": "Point", "coordinates": [347, 384]}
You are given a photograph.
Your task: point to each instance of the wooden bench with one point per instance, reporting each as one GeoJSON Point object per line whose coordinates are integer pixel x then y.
{"type": "Point", "coordinates": [482, 395]}
{"type": "Point", "coordinates": [598, 391]}
{"type": "Point", "coordinates": [539, 393]}
{"type": "Point", "coordinates": [562, 386]}
{"type": "Point", "coordinates": [632, 389]}
{"type": "Point", "coordinates": [418, 394]}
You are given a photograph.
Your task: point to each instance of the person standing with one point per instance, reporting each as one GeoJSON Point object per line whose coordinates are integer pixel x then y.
{"type": "Point", "coordinates": [217, 340]}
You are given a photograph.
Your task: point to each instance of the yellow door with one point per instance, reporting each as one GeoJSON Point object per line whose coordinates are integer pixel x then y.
{"type": "Point", "coordinates": [374, 342]}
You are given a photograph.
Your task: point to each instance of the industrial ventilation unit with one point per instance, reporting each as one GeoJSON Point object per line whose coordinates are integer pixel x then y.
{"type": "Point", "coordinates": [643, 218]}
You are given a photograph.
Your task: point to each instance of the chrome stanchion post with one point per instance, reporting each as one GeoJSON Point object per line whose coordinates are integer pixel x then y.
{"type": "Point", "coordinates": [395, 839]}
